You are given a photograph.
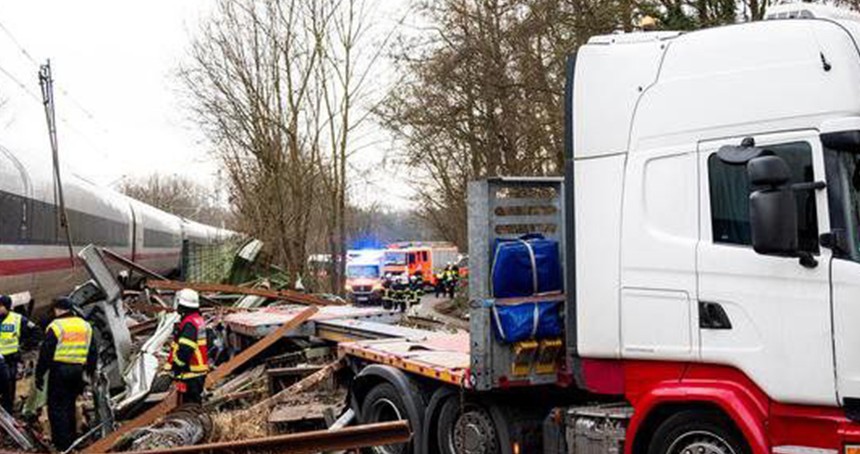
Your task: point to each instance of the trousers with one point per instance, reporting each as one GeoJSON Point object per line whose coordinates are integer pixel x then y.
{"type": "Point", "coordinates": [9, 383]}
{"type": "Point", "coordinates": [65, 384]}
{"type": "Point", "coordinates": [192, 390]}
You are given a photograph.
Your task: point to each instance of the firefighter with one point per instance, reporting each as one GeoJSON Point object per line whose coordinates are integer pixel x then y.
{"type": "Point", "coordinates": [13, 327]}
{"type": "Point", "coordinates": [400, 290]}
{"type": "Point", "coordinates": [68, 352]}
{"type": "Point", "coordinates": [451, 276]}
{"type": "Point", "coordinates": [416, 289]}
{"type": "Point", "coordinates": [439, 288]}
{"type": "Point", "coordinates": [189, 357]}
{"type": "Point", "coordinates": [387, 292]}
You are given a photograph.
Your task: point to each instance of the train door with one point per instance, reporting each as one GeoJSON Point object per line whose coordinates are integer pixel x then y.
{"type": "Point", "coordinates": [134, 243]}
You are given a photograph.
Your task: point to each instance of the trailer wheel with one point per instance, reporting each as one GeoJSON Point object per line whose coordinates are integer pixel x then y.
{"type": "Point", "coordinates": [466, 428]}
{"type": "Point", "coordinates": [697, 432]}
{"type": "Point", "coordinates": [384, 404]}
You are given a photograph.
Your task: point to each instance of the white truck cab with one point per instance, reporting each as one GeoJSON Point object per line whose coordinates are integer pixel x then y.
{"type": "Point", "coordinates": [665, 242]}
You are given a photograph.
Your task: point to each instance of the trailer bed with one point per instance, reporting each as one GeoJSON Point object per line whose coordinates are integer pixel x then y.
{"type": "Point", "coordinates": [443, 357]}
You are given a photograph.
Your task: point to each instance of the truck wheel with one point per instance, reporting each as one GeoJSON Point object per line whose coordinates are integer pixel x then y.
{"type": "Point", "coordinates": [466, 428]}
{"type": "Point", "coordinates": [384, 404]}
{"type": "Point", "coordinates": [697, 432]}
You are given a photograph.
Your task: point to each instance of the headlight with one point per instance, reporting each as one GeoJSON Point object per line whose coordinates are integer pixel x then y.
{"type": "Point", "coordinates": [347, 287]}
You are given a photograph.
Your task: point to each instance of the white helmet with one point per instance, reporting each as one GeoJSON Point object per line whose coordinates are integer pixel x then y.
{"type": "Point", "coordinates": [188, 299]}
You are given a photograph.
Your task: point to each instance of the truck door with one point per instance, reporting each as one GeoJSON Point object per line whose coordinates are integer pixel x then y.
{"type": "Point", "coordinates": [767, 316]}
{"type": "Point", "coordinates": [843, 193]}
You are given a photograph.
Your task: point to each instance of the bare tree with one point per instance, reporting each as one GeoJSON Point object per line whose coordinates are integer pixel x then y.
{"type": "Point", "coordinates": [482, 95]}
{"type": "Point", "coordinates": [279, 87]}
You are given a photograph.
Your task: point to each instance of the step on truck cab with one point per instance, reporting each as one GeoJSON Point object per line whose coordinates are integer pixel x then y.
{"type": "Point", "coordinates": [709, 223]}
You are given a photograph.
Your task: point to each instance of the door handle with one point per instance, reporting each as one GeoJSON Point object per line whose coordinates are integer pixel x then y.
{"type": "Point", "coordinates": [713, 316]}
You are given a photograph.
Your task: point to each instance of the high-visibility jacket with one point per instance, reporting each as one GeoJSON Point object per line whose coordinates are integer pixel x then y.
{"type": "Point", "coordinates": [198, 365]}
{"type": "Point", "coordinates": [10, 334]}
{"type": "Point", "coordinates": [74, 336]}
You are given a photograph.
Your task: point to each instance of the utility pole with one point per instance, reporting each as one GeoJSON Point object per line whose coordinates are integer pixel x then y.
{"type": "Point", "coordinates": [47, 84]}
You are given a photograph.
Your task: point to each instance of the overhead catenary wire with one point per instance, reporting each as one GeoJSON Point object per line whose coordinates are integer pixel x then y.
{"type": "Point", "coordinates": [23, 87]}
{"type": "Point", "coordinates": [60, 88]}
{"type": "Point", "coordinates": [20, 84]}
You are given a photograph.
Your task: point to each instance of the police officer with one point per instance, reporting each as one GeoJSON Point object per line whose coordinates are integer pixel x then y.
{"type": "Point", "coordinates": [189, 356]}
{"type": "Point", "coordinates": [68, 352]}
{"type": "Point", "coordinates": [13, 326]}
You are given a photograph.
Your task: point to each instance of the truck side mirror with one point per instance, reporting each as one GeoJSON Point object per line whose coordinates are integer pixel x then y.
{"type": "Point", "coordinates": [773, 209]}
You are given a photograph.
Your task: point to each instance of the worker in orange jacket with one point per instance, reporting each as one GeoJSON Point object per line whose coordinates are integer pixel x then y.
{"type": "Point", "coordinates": [189, 354]}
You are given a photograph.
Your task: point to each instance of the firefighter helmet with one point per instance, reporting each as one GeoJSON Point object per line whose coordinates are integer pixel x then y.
{"type": "Point", "coordinates": [188, 299]}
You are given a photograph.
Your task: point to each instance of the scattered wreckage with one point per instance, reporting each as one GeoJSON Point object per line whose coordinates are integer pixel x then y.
{"type": "Point", "coordinates": [277, 383]}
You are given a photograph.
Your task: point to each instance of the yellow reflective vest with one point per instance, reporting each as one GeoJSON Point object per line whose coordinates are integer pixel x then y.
{"type": "Point", "coordinates": [10, 334]}
{"type": "Point", "coordinates": [74, 336]}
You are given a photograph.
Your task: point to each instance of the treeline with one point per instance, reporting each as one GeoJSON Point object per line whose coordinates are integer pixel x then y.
{"type": "Point", "coordinates": [282, 88]}
{"type": "Point", "coordinates": [484, 81]}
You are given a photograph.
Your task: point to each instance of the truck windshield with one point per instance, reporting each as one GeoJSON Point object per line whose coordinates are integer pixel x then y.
{"type": "Point", "coordinates": [362, 271]}
{"type": "Point", "coordinates": [843, 192]}
{"type": "Point", "coordinates": [395, 258]}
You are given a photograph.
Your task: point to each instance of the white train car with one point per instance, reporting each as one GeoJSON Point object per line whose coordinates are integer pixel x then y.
{"type": "Point", "coordinates": [34, 253]}
{"type": "Point", "coordinates": [157, 237]}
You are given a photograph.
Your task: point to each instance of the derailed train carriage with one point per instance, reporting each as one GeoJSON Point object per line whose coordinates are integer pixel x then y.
{"type": "Point", "coordinates": [34, 253]}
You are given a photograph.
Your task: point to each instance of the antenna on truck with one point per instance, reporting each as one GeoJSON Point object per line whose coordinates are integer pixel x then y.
{"type": "Point", "coordinates": [47, 84]}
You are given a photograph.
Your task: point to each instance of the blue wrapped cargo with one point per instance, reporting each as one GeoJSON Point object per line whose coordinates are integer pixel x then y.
{"type": "Point", "coordinates": [528, 320]}
{"type": "Point", "coordinates": [527, 266]}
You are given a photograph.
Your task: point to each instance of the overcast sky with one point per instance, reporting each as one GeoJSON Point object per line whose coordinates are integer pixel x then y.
{"type": "Point", "coordinates": [118, 104]}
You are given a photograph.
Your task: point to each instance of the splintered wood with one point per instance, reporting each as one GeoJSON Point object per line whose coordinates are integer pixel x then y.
{"type": "Point", "coordinates": [284, 295]}
{"type": "Point", "coordinates": [253, 422]}
{"type": "Point", "coordinates": [254, 350]}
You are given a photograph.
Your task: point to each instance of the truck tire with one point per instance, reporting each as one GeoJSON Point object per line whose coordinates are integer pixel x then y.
{"type": "Point", "coordinates": [383, 404]}
{"type": "Point", "coordinates": [466, 428]}
{"type": "Point", "coordinates": [698, 432]}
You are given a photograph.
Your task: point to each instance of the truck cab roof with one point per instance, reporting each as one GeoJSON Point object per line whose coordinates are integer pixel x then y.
{"type": "Point", "coordinates": [669, 88]}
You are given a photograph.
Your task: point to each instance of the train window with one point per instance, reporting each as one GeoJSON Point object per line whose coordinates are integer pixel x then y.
{"type": "Point", "coordinates": [43, 223]}
{"type": "Point", "coordinates": [86, 228]}
{"type": "Point", "coordinates": [157, 238]}
{"type": "Point", "coordinates": [12, 221]}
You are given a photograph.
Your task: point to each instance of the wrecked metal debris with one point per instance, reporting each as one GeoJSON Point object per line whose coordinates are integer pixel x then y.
{"type": "Point", "coordinates": [284, 295]}
{"type": "Point", "coordinates": [299, 387]}
{"type": "Point", "coordinates": [187, 425]}
{"type": "Point", "coordinates": [150, 416]}
{"type": "Point", "coordinates": [16, 432]}
{"type": "Point", "coordinates": [249, 353]}
{"type": "Point", "coordinates": [308, 442]}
